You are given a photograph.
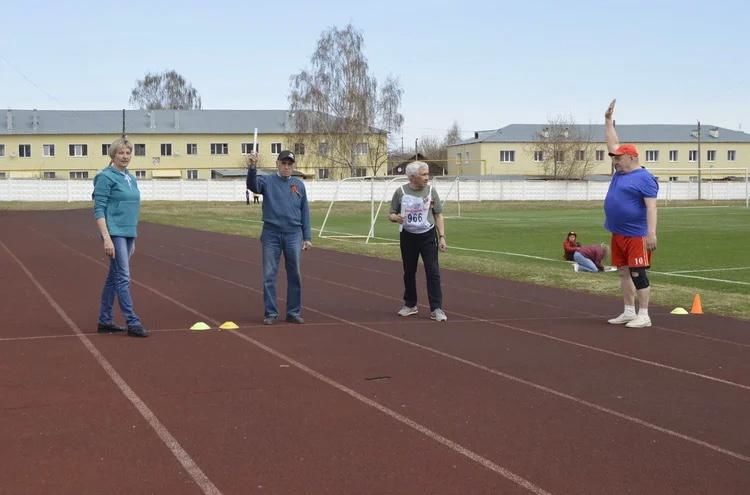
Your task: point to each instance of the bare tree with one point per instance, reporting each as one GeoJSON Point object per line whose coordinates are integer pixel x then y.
{"type": "Point", "coordinates": [453, 136]}
{"type": "Point", "coordinates": [167, 90]}
{"type": "Point", "coordinates": [564, 149]}
{"type": "Point", "coordinates": [337, 108]}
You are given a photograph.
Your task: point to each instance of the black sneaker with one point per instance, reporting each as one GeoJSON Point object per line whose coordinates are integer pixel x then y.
{"type": "Point", "coordinates": [137, 331]}
{"type": "Point", "coordinates": [295, 319]}
{"type": "Point", "coordinates": [269, 320]}
{"type": "Point", "coordinates": [109, 328]}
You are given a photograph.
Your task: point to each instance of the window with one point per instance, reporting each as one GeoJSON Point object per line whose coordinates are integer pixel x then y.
{"type": "Point", "coordinates": [359, 172]}
{"type": "Point", "coordinates": [192, 174]}
{"type": "Point", "coordinates": [48, 150]}
{"type": "Point", "coordinates": [559, 156]}
{"type": "Point", "coordinates": [166, 149]}
{"type": "Point", "coordinates": [78, 175]}
{"type": "Point", "coordinates": [105, 149]}
{"type": "Point", "coordinates": [580, 155]}
{"type": "Point", "coordinates": [49, 175]}
{"type": "Point", "coordinates": [711, 155]}
{"type": "Point", "coordinates": [139, 149]}
{"type": "Point", "coordinates": [219, 148]}
{"type": "Point", "coordinates": [247, 148]}
{"type": "Point", "coordinates": [324, 173]}
{"type": "Point", "coordinates": [652, 155]}
{"type": "Point", "coordinates": [192, 149]}
{"type": "Point", "coordinates": [539, 156]}
{"type": "Point", "coordinates": [673, 178]}
{"type": "Point", "coordinates": [2, 175]}
{"type": "Point", "coordinates": [360, 149]}
{"type": "Point", "coordinates": [507, 156]}
{"type": "Point", "coordinates": [276, 148]}
{"type": "Point", "coordinates": [323, 149]}
{"type": "Point", "coordinates": [599, 155]}
{"type": "Point", "coordinates": [140, 174]}
{"type": "Point", "coordinates": [731, 155]}
{"type": "Point", "coordinates": [693, 155]}
{"type": "Point", "coordinates": [299, 148]}
{"type": "Point", "coordinates": [468, 157]}
{"type": "Point", "coordinates": [24, 150]}
{"type": "Point", "coordinates": [673, 155]}
{"type": "Point", "coordinates": [458, 158]}
{"type": "Point", "coordinates": [2, 150]}
{"type": "Point", "coordinates": [78, 150]}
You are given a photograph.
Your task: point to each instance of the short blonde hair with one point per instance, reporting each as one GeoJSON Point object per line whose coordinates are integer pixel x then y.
{"type": "Point", "coordinates": [119, 143]}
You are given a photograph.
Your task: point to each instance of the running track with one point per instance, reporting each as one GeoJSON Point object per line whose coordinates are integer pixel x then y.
{"type": "Point", "coordinates": [524, 390]}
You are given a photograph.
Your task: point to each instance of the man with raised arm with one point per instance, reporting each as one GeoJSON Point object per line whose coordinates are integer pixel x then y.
{"type": "Point", "coordinates": [630, 215]}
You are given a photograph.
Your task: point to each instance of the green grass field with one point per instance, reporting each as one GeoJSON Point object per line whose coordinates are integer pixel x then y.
{"type": "Point", "coordinates": [702, 248]}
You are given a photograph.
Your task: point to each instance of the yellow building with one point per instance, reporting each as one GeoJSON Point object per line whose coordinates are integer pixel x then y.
{"type": "Point", "coordinates": [187, 144]}
{"type": "Point", "coordinates": [524, 150]}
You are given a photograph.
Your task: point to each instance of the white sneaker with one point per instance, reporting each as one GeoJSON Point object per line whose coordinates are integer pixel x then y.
{"type": "Point", "coordinates": [623, 318]}
{"type": "Point", "coordinates": [408, 311]}
{"type": "Point", "coordinates": [576, 267]}
{"type": "Point", "coordinates": [640, 321]}
{"type": "Point", "coordinates": [438, 315]}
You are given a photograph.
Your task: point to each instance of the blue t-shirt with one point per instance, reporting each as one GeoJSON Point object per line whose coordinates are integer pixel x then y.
{"type": "Point", "coordinates": [624, 208]}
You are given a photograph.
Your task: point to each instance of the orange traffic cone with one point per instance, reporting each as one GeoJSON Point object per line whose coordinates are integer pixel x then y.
{"type": "Point", "coordinates": [697, 308]}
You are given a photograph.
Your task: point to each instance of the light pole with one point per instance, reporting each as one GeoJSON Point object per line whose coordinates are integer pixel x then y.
{"type": "Point", "coordinates": [698, 135]}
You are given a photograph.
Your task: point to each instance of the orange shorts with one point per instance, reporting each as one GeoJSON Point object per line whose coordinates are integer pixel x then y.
{"type": "Point", "coordinates": [630, 251]}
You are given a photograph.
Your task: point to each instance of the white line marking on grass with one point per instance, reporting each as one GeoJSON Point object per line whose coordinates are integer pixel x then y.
{"type": "Point", "coordinates": [166, 437]}
{"type": "Point", "coordinates": [711, 270]}
{"type": "Point", "coordinates": [709, 279]}
{"type": "Point", "coordinates": [482, 367]}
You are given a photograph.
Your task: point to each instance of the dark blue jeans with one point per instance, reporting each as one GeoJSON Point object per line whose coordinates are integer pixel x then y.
{"type": "Point", "coordinates": [118, 283]}
{"type": "Point", "coordinates": [274, 245]}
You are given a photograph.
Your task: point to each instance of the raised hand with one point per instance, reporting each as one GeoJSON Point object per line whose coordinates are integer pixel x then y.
{"type": "Point", "coordinates": [610, 110]}
{"type": "Point", "coordinates": [252, 159]}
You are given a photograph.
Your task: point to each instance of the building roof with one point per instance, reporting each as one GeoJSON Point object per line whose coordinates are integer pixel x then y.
{"type": "Point", "coordinates": [25, 122]}
{"type": "Point", "coordinates": [640, 133]}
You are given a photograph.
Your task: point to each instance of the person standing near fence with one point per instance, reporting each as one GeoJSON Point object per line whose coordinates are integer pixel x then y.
{"type": "Point", "coordinates": [117, 202]}
{"type": "Point", "coordinates": [286, 229]}
{"type": "Point", "coordinates": [416, 207]}
{"type": "Point", "coordinates": [630, 215]}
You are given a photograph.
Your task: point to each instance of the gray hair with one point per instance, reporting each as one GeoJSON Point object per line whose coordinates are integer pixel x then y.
{"type": "Point", "coordinates": [121, 142]}
{"type": "Point", "coordinates": [414, 167]}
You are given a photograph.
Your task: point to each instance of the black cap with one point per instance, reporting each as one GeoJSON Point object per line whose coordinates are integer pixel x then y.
{"type": "Point", "coordinates": [572, 233]}
{"type": "Point", "coordinates": [286, 155]}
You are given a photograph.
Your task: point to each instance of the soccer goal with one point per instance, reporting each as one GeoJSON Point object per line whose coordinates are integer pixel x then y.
{"type": "Point", "coordinates": [710, 184]}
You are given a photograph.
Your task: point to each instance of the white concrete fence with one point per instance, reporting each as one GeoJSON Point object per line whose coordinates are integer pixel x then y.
{"type": "Point", "coordinates": [465, 190]}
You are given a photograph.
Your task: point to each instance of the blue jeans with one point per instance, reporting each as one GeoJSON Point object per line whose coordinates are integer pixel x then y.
{"type": "Point", "coordinates": [584, 264]}
{"type": "Point", "coordinates": [118, 283]}
{"type": "Point", "coordinates": [274, 244]}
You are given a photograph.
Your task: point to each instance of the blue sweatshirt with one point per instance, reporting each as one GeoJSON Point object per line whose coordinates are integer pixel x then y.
{"type": "Point", "coordinates": [285, 207]}
{"type": "Point", "coordinates": [117, 200]}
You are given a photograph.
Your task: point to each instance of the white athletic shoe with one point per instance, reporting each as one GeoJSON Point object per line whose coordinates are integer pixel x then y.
{"type": "Point", "coordinates": [622, 319]}
{"type": "Point", "coordinates": [576, 267]}
{"type": "Point", "coordinates": [610, 268]}
{"type": "Point", "coordinates": [640, 321]}
{"type": "Point", "coordinates": [438, 315]}
{"type": "Point", "coordinates": [408, 311]}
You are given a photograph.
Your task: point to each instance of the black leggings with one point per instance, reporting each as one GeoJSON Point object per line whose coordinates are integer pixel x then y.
{"type": "Point", "coordinates": [412, 246]}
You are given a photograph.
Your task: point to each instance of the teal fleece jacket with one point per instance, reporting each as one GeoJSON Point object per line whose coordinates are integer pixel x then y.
{"type": "Point", "coordinates": [117, 200]}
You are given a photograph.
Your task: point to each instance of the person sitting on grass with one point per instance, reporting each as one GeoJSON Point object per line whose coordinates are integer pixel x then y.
{"type": "Point", "coordinates": [589, 258]}
{"type": "Point", "coordinates": [570, 245]}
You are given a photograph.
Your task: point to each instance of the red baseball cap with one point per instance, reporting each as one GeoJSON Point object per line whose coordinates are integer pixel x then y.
{"type": "Point", "coordinates": [625, 149]}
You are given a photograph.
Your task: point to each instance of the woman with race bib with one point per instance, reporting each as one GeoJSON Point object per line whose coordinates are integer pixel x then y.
{"type": "Point", "coordinates": [416, 207]}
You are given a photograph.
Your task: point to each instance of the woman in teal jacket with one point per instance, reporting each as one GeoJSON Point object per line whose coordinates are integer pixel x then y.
{"type": "Point", "coordinates": [117, 203]}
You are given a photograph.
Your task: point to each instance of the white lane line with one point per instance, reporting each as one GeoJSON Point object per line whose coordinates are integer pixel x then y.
{"type": "Point", "coordinates": [456, 447]}
{"type": "Point", "coordinates": [709, 279]}
{"type": "Point", "coordinates": [711, 270]}
{"type": "Point", "coordinates": [166, 437]}
{"type": "Point", "coordinates": [484, 368]}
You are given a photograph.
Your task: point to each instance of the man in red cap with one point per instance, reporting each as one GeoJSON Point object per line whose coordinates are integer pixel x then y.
{"type": "Point", "coordinates": [630, 215]}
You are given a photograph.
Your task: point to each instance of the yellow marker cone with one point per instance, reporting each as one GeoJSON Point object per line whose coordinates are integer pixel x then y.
{"type": "Point", "coordinates": [679, 311]}
{"type": "Point", "coordinates": [228, 325]}
{"type": "Point", "coordinates": [200, 326]}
